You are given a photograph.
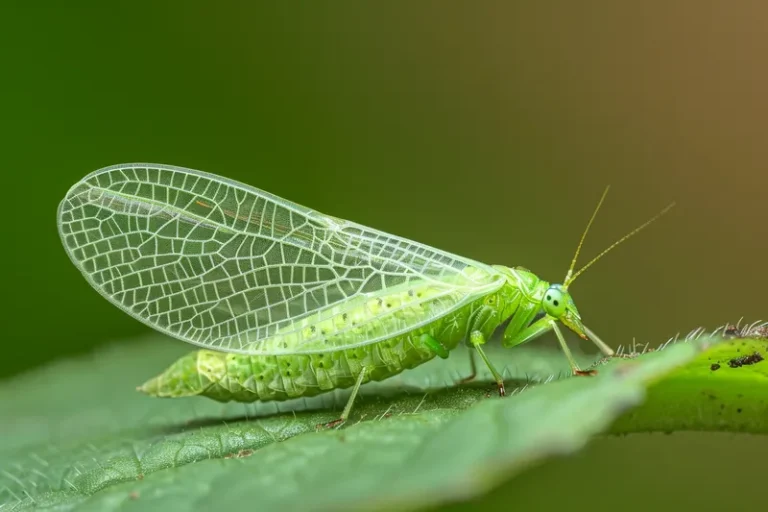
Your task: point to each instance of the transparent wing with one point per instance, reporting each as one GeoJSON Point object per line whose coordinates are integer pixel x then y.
{"type": "Point", "coordinates": [227, 266]}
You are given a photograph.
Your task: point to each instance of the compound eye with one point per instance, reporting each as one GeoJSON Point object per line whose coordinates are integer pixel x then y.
{"type": "Point", "coordinates": [554, 302]}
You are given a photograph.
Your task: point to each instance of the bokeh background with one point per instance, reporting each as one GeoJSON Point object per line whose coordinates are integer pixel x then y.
{"type": "Point", "coordinates": [489, 130]}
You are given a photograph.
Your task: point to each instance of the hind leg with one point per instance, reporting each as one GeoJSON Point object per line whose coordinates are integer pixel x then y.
{"type": "Point", "coordinates": [350, 402]}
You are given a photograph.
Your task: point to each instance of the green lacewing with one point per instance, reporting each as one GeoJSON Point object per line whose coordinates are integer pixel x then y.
{"type": "Point", "coordinates": [288, 302]}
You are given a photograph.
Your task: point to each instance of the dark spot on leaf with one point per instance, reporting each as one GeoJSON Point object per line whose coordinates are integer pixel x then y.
{"type": "Point", "coordinates": [738, 410]}
{"type": "Point", "coordinates": [714, 367]}
{"type": "Point", "coordinates": [737, 362]}
{"type": "Point", "coordinates": [344, 317]}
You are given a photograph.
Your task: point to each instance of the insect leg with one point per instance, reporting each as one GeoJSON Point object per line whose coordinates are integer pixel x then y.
{"type": "Point", "coordinates": [434, 345]}
{"type": "Point", "coordinates": [605, 349]}
{"type": "Point", "coordinates": [477, 339]}
{"type": "Point", "coordinates": [537, 329]}
{"type": "Point", "coordinates": [473, 370]}
{"type": "Point", "coordinates": [531, 332]}
{"type": "Point", "coordinates": [348, 408]}
{"type": "Point", "coordinates": [574, 367]}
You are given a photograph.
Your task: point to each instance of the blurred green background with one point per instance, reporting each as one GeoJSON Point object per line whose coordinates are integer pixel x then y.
{"type": "Point", "coordinates": [488, 130]}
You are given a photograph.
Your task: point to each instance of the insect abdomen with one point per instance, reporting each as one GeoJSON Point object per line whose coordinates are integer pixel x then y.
{"type": "Point", "coordinates": [247, 378]}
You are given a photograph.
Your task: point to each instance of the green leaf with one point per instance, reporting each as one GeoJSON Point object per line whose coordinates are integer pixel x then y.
{"type": "Point", "coordinates": [76, 434]}
{"type": "Point", "coordinates": [725, 388]}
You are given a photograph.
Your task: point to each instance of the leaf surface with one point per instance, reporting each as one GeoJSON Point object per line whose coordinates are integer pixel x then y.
{"type": "Point", "coordinates": [79, 436]}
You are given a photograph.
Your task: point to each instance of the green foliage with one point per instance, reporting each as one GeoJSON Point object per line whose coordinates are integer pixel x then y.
{"type": "Point", "coordinates": [77, 435]}
{"type": "Point", "coordinates": [716, 391]}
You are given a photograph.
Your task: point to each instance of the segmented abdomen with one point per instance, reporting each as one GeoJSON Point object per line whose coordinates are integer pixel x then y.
{"type": "Point", "coordinates": [247, 378]}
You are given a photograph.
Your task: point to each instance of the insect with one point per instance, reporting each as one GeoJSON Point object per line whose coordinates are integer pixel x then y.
{"type": "Point", "coordinates": [288, 302]}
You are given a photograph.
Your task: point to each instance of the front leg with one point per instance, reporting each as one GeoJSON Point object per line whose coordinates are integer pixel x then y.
{"type": "Point", "coordinates": [538, 328]}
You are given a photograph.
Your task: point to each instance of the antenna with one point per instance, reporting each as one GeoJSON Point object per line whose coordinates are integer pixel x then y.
{"type": "Point", "coordinates": [570, 279]}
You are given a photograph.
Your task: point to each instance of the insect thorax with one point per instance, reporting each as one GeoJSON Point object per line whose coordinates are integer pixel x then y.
{"type": "Point", "coordinates": [519, 300]}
